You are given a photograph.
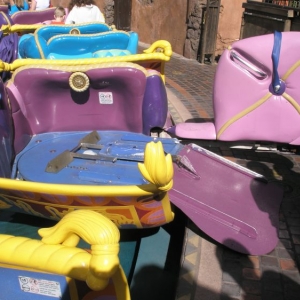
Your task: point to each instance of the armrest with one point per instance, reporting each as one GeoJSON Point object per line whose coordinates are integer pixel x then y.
{"type": "Point", "coordinates": [57, 252]}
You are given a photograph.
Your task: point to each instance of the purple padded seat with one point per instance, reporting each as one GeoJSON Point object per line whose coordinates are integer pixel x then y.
{"type": "Point", "coordinates": [6, 134]}
{"type": "Point", "coordinates": [5, 18]}
{"type": "Point", "coordinates": [155, 105]}
{"type": "Point", "coordinates": [43, 101]}
{"type": "Point", "coordinates": [33, 17]}
{"type": "Point", "coordinates": [245, 107]}
{"type": "Point", "coordinates": [245, 93]}
{"type": "Point", "coordinates": [4, 8]}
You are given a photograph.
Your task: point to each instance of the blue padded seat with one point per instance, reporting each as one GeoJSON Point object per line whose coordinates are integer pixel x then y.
{"type": "Point", "coordinates": [58, 43]}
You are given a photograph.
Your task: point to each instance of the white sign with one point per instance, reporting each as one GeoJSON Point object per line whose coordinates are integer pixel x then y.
{"type": "Point", "coordinates": [40, 286]}
{"type": "Point", "coordinates": [106, 98]}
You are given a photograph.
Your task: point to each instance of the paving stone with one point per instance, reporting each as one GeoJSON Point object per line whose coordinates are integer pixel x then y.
{"type": "Point", "coordinates": [271, 295]}
{"type": "Point", "coordinates": [285, 253]}
{"type": "Point", "coordinates": [284, 243]}
{"type": "Point", "coordinates": [250, 261]}
{"type": "Point", "coordinates": [269, 261]}
{"type": "Point", "coordinates": [284, 234]}
{"type": "Point", "coordinates": [252, 286]}
{"type": "Point", "coordinates": [253, 274]}
{"type": "Point", "coordinates": [231, 290]}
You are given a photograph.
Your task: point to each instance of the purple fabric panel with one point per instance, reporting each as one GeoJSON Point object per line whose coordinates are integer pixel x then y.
{"type": "Point", "coordinates": [236, 89]}
{"type": "Point", "coordinates": [155, 106]}
{"type": "Point", "coordinates": [33, 17]}
{"type": "Point", "coordinates": [48, 104]}
{"type": "Point", "coordinates": [6, 135]}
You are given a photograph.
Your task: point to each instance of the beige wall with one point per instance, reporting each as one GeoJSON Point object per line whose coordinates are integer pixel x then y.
{"type": "Point", "coordinates": [230, 20]}
{"type": "Point", "coordinates": [160, 20]}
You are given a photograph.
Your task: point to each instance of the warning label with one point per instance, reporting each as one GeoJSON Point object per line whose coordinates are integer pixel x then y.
{"type": "Point", "coordinates": [106, 98]}
{"type": "Point", "coordinates": [40, 286]}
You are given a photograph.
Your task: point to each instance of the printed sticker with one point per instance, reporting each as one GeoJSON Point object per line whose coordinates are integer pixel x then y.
{"type": "Point", "coordinates": [106, 98]}
{"type": "Point", "coordinates": [40, 286]}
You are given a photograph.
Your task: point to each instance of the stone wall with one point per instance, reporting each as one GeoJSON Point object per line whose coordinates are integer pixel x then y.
{"type": "Point", "coordinates": [230, 19]}
{"type": "Point", "coordinates": [193, 28]}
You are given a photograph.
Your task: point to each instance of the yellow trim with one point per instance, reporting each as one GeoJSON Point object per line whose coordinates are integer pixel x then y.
{"type": "Point", "coordinates": [7, 29]}
{"type": "Point", "coordinates": [243, 113]}
{"type": "Point", "coordinates": [57, 253]}
{"type": "Point", "coordinates": [6, 19]}
{"type": "Point", "coordinates": [166, 204]}
{"type": "Point", "coordinates": [136, 58]}
{"type": "Point", "coordinates": [72, 288]}
{"type": "Point", "coordinates": [292, 101]}
{"type": "Point", "coordinates": [156, 169]}
{"type": "Point", "coordinates": [36, 38]}
{"type": "Point", "coordinates": [291, 70]}
{"type": "Point", "coordinates": [75, 190]}
{"type": "Point", "coordinates": [33, 27]}
{"type": "Point", "coordinates": [121, 285]}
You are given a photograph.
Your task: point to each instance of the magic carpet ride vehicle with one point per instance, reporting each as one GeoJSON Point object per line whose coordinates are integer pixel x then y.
{"type": "Point", "coordinates": [255, 94]}
{"type": "Point", "coordinates": [77, 134]}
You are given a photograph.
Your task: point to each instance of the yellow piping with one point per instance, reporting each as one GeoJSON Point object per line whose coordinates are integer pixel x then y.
{"type": "Point", "coordinates": [163, 56]}
{"type": "Point", "coordinates": [292, 101]}
{"type": "Point", "coordinates": [243, 113]}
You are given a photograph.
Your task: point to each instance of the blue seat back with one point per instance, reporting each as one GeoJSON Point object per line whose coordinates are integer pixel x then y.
{"type": "Point", "coordinates": [68, 46]}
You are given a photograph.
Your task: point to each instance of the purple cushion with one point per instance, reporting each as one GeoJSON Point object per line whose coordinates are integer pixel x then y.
{"type": "Point", "coordinates": [43, 101]}
{"type": "Point", "coordinates": [33, 17]}
{"type": "Point", "coordinates": [242, 96]}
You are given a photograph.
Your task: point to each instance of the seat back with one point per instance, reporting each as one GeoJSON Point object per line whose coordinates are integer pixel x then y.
{"type": "Point", "coordinates": [33, 17]}
{"type": "Point", "coordinates": [245, 105]}
{"type": "Point", "coordinates": [5, 18]}
{"type": "Point", "coordinates": [66, 46]}
{"type": "Point", "coordinates": [49, 31]}
{"type": "Point", "coordinates": [4, 8]}
{"type": "Point", "coordinates": [100, 97]}
{"type": "Point", "coordinates": [6, 134]}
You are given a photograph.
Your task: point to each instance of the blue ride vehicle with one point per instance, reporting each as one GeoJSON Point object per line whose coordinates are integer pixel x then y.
{"type": "Point", "coordinates": [89, 40]}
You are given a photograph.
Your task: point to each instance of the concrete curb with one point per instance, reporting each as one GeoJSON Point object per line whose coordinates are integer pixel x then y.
{"type": "Point", "coordinates": [181, 111]}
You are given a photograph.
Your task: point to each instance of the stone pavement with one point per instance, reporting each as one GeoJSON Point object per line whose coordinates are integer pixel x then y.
{"type": "Point", "coordinates": [209, 270]}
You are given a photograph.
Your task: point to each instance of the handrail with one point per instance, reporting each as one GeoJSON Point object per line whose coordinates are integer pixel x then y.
{"type": "Point", "coordinates": [57, 252]}
{"type": "Point", "coordinates": [160, 50]}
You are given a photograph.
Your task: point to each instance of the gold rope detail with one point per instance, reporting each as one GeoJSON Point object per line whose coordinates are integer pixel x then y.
{"type": "Point", "coordinates": [243, 113]}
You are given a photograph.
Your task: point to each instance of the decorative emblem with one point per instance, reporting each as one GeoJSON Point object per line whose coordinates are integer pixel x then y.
{"type": "Point", "coordinates": [79, 82]}
{"type": "Point", "coordinates": [74, 31]}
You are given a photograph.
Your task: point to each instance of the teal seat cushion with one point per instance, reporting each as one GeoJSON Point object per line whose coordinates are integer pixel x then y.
{"type": "Point", "coordinates": [111, 53]}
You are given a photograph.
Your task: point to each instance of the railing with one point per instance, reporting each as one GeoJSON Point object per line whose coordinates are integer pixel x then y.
{"type": "Point", "coordinates": [288, 3]}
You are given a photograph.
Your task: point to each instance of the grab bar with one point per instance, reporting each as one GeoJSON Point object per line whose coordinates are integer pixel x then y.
{"type": "Point", "coordinates": [255, 70]}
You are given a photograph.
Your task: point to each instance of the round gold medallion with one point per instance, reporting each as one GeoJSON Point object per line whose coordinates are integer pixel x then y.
{"type": "Point", "coordinates": [74, 31]}
{"type": "Point", "coordinates": [79, 82]}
